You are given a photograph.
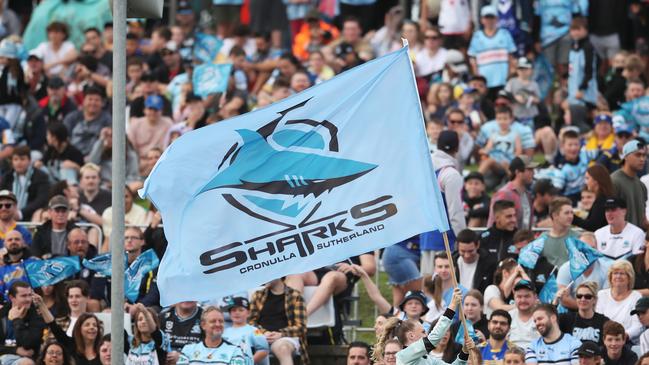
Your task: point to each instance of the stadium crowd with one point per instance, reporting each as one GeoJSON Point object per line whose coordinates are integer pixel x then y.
{"type": "Point", "coordinates": [537, 113]}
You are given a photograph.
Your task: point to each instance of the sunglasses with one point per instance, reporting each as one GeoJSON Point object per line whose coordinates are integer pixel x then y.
{"type": "Point", "coordinates": [6, 205]}
{"type": "Point", "coordinates": [584, 296]}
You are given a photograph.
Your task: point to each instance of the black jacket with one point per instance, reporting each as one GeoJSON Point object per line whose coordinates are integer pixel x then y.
{"type": "Point", "coordinates": [42, 241]}
{"type": "Point", "coordinates": [595, 219]}
{"type": "Point", "coordinates": [28, 331]}
{"type": "Point", "coordinates": [496, 241]}
{"type": "Point", "coordinates": [37, 193]}
{"type": "Point", "coordinates": [484, 271]}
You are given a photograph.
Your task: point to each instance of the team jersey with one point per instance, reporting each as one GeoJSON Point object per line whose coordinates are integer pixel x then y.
{"type": "Point", "coordinates": [568, 177]}
{"type": "Point", "coordinates": [491, 356]}
{"type": "Point", "coordinates": [248, 337]}
{"type": "Point", "coordinates": [181, 332]}
{"type": "Point", "coordinates": [616, 246]}
{"type": "Point", "coordinates": [492, 55]}
{"type": "Point", "coordinates": [491, 127]}
{"type": "Point", "coordinates": [145, 353]}
{"type": "Point", "coordinates": [560, 352]}
{"type": "Point", "coordinates": [636, 115]}
{"type": "Point", "coordinates": [556, 16]}
{"type": "Point", "coordinates": [225, 354]}
{"type": "Point", "coordinates": [582, 72]}
{"type": "Point", "coordinates": [503, 146]}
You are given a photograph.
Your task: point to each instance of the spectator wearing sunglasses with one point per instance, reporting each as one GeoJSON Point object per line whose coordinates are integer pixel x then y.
{"type": "Point", "coordinates": [585, 324]}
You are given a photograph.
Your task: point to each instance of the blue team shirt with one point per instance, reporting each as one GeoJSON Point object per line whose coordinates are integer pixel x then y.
{"type": "Point", "coordinates": [556, 16]}
{"type": "Point", "coordinates": [491, 127]}
{"type": "Point", "coordinates": [248, 337]}
{"type": "Point", "coordinates": [492, 55]}
{"type": "Point", "coordinates": [636, 114]}
{"type": "Point", "coordinates": [504, 146]}
{"type": "Point", "coordinates": [561, 352]}
{"type": "Point", "coordinates": [225, 354]}
{"type": "Point", "coordinates": [227, 2]}
{"type": "Point", "coordinates": [567, 177]}
{"type": "Point", "coordinates": [145, 353]}
{"type": "Point", "coordinates": [577, 70]}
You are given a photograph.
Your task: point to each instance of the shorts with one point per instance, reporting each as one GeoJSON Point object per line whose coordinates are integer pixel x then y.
{"type": "Point", "coordinates": [401, 265]}
{"type": "Point", "coordinates": [606, 46]}
{"type": "Point", "coordinates": [557, 52]}
{"type": "Point", "coordinates": [226, 14]}
{"type": "Point", "coordinates": [267, 16]}
{"type": "Point", "coordinates": [293, 341]}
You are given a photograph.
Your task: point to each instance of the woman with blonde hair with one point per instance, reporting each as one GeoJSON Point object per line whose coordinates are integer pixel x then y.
{"type": "Point", "coordinates": [619, 300]}
{"type": "Point", "coordinates": [585, 324]}
{"type": "Point", "coordinates": [415, 341]}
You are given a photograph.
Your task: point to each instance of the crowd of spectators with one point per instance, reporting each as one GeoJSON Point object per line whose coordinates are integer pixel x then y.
{"type": "Point", "coordinates": [537, 116]}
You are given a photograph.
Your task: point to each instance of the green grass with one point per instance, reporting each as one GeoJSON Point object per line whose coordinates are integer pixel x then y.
{"type": "Point", "coordinates": [366, 307]}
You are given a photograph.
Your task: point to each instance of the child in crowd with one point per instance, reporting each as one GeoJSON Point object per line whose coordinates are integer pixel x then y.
{"type": "Point", "coordinates": [602, 138]}
{"type": "Point", "coordinates": [502, 146]}
{"type": "Point", "coordinates": [526, 93]}
{"type": "Point", "coordinates": [582, 75]}
{"type": "Point", "coordinates": [476, 200]}
{"type": "Point", "coordinates": [243, 334]}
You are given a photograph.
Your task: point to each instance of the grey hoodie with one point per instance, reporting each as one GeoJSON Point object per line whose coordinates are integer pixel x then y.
{"type": "Point", "coordinates": [451, 183]}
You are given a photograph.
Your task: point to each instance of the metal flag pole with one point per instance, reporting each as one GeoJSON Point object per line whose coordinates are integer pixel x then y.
{"type": "Point", "coordinates": [472, 354]}
{"type": "Point", "coordinates": [118, 180]}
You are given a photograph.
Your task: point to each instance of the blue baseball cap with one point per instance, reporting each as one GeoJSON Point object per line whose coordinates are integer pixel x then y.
{"type": "Point", "coordinates": [488, 10]}
{"type": "Point", "coordinates": [631, 147]}
{"type": "Point", "coordinates": [603, 118]}
{"type": "Point", "coordinates": [153, 102]}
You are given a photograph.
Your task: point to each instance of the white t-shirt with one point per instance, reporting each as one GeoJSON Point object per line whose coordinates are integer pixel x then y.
{"type": "Point", "coordinates": [454, 16]}
{"type": "Point", "coordinates": [620, 311]}
{"type": "Point", "coordinates": [73, 321]}
{"type": "Point", "coordinates": [616, 246]}
{"type": "Point", "coordinates": [434, 313]}
{"type": "Point", "coordinates": [522, 333]}
{"type": "Point", "coordinates": [427, 64]}
{"type": "Point", "coordinates": [491, 292]}
{"type": "Point", "coordinates": [50, 55]}
{"type": "Point", "coordinates": [467, 272]}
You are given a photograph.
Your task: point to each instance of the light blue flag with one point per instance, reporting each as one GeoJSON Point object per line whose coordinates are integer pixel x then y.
{"type": "Point", "coordinates": [210, 78]}
{"type": "Point", "coordinates": [141, 266]}
{"type": "Point", "coordinates": [549, 290]}
{"type": "Point", "coordinates": [51, 271]}
{"type": "Point", "coordinates": [100, 263]}
{"type": "Point", "coordinates": [206, 48]}
{"type": "Point", "coordinates": [335, 171]}
{"type": "Point", "coordinates": [530, 254]}
{"type": "Point", "coordinates": [459, 337]}
{"type": "Point", "coordinates": [543, 75]}
{"type": "Point", "coordinates": [581, 256]}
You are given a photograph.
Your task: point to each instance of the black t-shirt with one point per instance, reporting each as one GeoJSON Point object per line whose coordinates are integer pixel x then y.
{"type": "Point", "coordinates": [181, 332]}
{"type": "Point", "coordinates": [53, 157]}
{"type": "Point", "coordinates": [100, 203]}
{"type": "Point", "coordinates": [273, 315]}
{"type": "Point", "coordinates": [583, 329]}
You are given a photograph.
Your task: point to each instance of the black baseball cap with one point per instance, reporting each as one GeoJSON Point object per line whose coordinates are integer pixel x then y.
{"type": "Point", "coordinates": [448, 141]}
{"type": "Point", "coordinates": [589, 349]}
{"type": "Point", "coordinates": [55, 82]}
{"type": "Point", "coordinates": [474, 175]}
{"type": "Point", "coordinates": [641, 306]}
{"type": "Point", "coordinates": [614, 203]}
{"type": "Point", "coordinates": [237, 302]}
{"type": "Point", "coordinates": [524, 284]}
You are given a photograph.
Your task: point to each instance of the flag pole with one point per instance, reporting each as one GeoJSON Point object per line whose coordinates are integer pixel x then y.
{"type": "Point", "coordinates": [447, 246]}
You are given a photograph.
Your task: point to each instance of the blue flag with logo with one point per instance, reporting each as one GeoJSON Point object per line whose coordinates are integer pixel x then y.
{"type": "Point", "coordinates": [459, 337]}
{"type": "Point", "coordinates": [581, 256]}
{"type": "Point", "coordinates": [530, 254]}
{"type": "Point", "coordinates": [51, 271]}
{"type": "Point", "coordinates": [142, 265]}
{"type": "Point", "coordinates": [335, 171]}
{"type": "Point", "coordinates": [549, 290]}
{"type": "Point", "coordinates": [210, 78]}
{"type": "Point", "coordinates": [100, 263]}
{"type": "Point", "coordinates": [206, 48]}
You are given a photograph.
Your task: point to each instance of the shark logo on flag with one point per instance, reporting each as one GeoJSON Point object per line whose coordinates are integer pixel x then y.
{"type": "Point", "coordinates": [335, 171]}
{"type": "Point", "coordinates": [299, 170]}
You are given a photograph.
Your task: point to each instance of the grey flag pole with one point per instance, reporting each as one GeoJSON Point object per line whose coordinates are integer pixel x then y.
{"type": "Point", "coordinates": [118, 181]}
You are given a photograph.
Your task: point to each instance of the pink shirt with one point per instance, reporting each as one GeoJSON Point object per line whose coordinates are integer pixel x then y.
{"type": "Point", "coordinates": [145, 136]}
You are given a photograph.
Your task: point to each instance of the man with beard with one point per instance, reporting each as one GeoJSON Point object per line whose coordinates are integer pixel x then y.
{"type": "Point", "coordinates": [8, 218]}
{"type": "Point", "coordinates": [553, 346]}
{"type": "Point", "coordinates": [12, 268]}
{"type": "Point", "coordinates": [496, 346]}
{"type": "Point", "coordinates": [213, 347]}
